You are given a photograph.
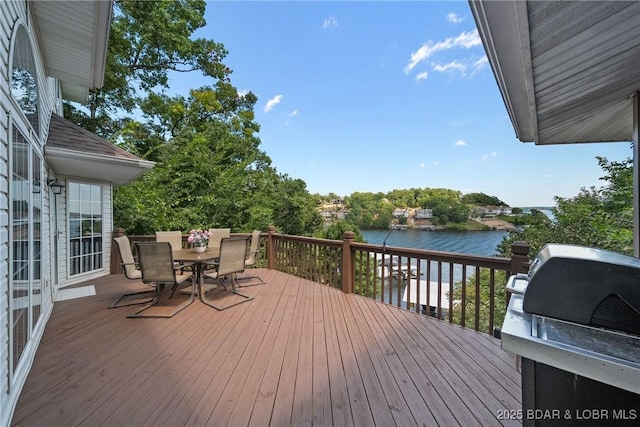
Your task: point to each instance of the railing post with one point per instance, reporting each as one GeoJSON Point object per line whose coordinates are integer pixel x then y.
{"type": "Point", "coordinates": [519, 257]}
{"type": "Point", "coordinates": [271, 254]}
{"type": "Point", "coordinates": [348, 273]}
{"type": "Point", "coordinates": [116, 262]}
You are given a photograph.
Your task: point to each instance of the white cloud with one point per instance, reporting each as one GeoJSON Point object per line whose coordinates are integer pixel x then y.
{"type": "Point", "coordinates": [272, 103]}
{"type": "Point", "coordinates": [453, 18]}
{"type": "Point", "coordinates": [243, 93]}
{"type": "Point", "coordinates": [460, 143]}
{"type": "Point", "coordinates": [436, 163]}
{"type": "Point", "coordinates": [456, 66]}
{"type": "Point", "coordinates": [451, 66]}
{"type": "Point", "coordinates": [488, 156]}
{"type": "Point", "coordinates": [465, 40]}
{"type": "Point", "coordinates": [480, 64]}
{"type": "Point", "coordinates": [422, 165]}
{"type": "Point", "coordinates": [290, 116]}
{"type": "Point", "coordinates": [422, 76]}
{"type": "Point", "coordinates": [329, 22]}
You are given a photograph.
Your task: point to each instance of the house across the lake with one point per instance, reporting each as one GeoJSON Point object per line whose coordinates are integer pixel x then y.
{"type": "Point", "coordinates": [56, 179]}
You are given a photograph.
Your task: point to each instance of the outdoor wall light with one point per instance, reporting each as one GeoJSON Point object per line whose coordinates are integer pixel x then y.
{"type": "Point", "coordinates": [55, 186]}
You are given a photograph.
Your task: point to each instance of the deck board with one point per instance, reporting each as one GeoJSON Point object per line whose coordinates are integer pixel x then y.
{"type": "Point", "coordinates": [298, 354]}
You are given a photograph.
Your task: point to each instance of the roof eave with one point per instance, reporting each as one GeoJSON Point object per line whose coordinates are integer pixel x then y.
{"type": "Point", "coordinates": [118, 171]}
{"type": "Point", "coordinates": [502, 21]}
{"type": "Point", "coordinates": [74, 51]}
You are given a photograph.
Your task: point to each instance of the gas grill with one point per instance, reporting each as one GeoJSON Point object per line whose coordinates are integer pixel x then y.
{"type": "Point", "coordinates": [574, 322]}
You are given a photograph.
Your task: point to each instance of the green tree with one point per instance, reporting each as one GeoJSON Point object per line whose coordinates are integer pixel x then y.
{"type": "Point", "coordinates": [369, 210]}
{"type": "Point", "coordinates": [294, 208]}
{"type": "Point", "coordinates": [336, 231]}
{"type": "Point", "coordinates": [148, 41]}
{"type": "Point", "coordinates": [481, 199]}
{"type": "Point", "coordinates": [211, 172]}
{"type": "Point", "coordinates": [430, 197]}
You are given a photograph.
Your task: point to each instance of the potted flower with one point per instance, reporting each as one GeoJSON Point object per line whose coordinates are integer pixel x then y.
{"type": "Point", "coordinates": [199, 239]}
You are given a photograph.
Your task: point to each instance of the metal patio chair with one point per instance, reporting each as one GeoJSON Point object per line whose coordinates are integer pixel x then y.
{"type": "Point", "coordinates": [217, 234]}
{"type": "Point", "coordinates": [159, 270]}
{"type": "Point", "coordinates": [173, 237]}
{"type": "Point", "coordinates": [252, 257]}
{"type": "Point", "coordinates": [131, 271]}
{"type": "Point", "coordinates": [233, 253]}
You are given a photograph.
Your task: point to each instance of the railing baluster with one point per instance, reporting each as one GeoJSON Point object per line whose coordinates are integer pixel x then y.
{"type": "Point", "coordinates": [463, 308]}
{"type": "Point", "coordinates": [450, 292]}
{"type": "Point", "coordinates": [492, 285]}
{"type": "Point", "coordinates": [477, 311]}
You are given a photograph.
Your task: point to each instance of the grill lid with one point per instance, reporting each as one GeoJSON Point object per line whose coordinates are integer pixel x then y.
{"type": "Point", "coordinates": [585, 285]}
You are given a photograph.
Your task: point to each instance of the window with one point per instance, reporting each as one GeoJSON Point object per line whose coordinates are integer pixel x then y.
{"type": "Point", "coordinates": [24, 85]}
{"type": "Point", "coordinates": [26, 244]}
{"type": "Point", "coordinates": [85, 228]}
{"type": "Point", "coordinates": [26, 202]}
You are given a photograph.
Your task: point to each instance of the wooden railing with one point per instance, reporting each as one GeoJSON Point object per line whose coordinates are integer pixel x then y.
{"type": "Point", "coordinates": [467, 290]}
{"type": "Point", "coordinates": [463, 289]}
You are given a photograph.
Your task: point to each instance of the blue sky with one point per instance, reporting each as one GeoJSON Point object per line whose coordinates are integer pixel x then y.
{"type": "Point", "coordinates": [376, 96]}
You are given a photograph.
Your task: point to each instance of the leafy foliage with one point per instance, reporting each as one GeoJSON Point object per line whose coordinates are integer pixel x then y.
{"type": "Point", "coordinates": [215, 178]}
{"type": "Point", "coordinates": [369, 210]}
{"type": "Point", "coordinates": [336, 231]}
{"type": "Point", "coordinates": [480, 300]}
{"type": "Point", "coordinates": [481, 199]}
{"type": "Point", "coordinates": [375, 210]}
{"type": "Point", "coordinates": [148, 41]}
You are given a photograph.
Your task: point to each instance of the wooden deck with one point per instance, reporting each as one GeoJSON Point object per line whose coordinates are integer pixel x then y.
{"type": "Point", "coordinates": [298, 354]}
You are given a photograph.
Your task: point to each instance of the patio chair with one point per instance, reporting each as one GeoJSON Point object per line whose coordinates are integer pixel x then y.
{"type": "Point", "coordinates": [252, 257]}
{"type": "Point", "coordinates": [131, 271]}
{"type": "Point", "coordinates": [217, 234]}
{"type": "Point", "coordinates": [173, 237]}
{"type": "Point", "coordinates": [233, 253]}
{"type": "Point", "coordinates": [159, 270]}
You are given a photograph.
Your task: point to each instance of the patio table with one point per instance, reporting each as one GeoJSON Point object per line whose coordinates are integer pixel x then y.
{"type": "Point", "coordinates": [199, 260]}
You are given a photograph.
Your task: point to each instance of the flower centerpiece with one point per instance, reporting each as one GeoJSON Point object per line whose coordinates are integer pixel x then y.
{"type": "Point", "coordinates": [199, 239]}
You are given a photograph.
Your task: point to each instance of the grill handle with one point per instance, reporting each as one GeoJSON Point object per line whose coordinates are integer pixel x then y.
{"type": "Point", "coordinates": [517, 284]}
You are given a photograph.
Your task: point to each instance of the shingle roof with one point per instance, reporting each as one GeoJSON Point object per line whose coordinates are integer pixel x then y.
{"type": "Point", "coordinates": [75, 152]}
{"type": "Point", "coordinates": [68, 135]}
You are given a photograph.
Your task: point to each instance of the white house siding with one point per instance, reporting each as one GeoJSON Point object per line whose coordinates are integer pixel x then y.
{"type": "Point", "coordinates": [8, 15]}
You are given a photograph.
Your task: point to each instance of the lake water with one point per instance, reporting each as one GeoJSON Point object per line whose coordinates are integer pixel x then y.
{"type": "Point", "coordinates": [466, 242]}
{"type": "Point", "coordinates": [481, 243]}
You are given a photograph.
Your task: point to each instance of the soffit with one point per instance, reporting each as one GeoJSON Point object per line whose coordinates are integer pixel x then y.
{"type": "Point", "coordinates": [567, 70]}
{"type": "Point", "coordinates": [73, 37]}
